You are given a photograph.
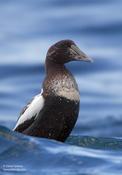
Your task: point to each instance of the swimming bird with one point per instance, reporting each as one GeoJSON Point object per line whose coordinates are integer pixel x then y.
{"type": "Point", "coordinates": [53, 113]}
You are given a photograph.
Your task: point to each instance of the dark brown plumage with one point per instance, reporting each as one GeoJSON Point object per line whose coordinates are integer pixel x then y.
{"type": "Point", "coordinates": [53, 113]}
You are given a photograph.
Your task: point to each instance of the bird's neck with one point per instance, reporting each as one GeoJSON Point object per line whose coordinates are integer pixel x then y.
{"type": "Point", "coordinates": [60, 81]}
{"type": "Point", "coordinates": [52, 67]}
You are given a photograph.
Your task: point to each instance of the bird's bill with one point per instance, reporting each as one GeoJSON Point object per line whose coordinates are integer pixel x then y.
{"type": "Point", "coordinates": [79, 55]}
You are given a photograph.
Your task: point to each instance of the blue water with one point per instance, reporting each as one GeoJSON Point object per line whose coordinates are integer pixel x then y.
{"type": "Point", "coordinates": [27, 29]}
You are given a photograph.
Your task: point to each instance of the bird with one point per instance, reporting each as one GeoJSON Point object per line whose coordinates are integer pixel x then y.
{"type": "Point", "coordinates": [54, 111]}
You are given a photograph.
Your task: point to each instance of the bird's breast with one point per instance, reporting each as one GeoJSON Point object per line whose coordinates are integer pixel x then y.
{"type": "Point", "coordinates": [68, 93]}
{"type": "Point", "coordinates": [64, 87]}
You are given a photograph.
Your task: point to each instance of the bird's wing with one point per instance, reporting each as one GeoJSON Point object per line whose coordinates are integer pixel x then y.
{"type": "Point", "coordinates": [29, 113]}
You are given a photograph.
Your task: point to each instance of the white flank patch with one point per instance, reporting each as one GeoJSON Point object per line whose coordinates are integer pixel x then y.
{"type": "Point", "coordinates": [34, 108]}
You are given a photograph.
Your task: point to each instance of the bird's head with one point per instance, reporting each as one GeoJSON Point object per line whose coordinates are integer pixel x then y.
{"type": "Point", "coordinates": [65, 51]}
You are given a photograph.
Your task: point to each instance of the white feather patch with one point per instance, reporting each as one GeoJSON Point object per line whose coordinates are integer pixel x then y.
{"type": "Point", "coordinates": [34, 108]}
